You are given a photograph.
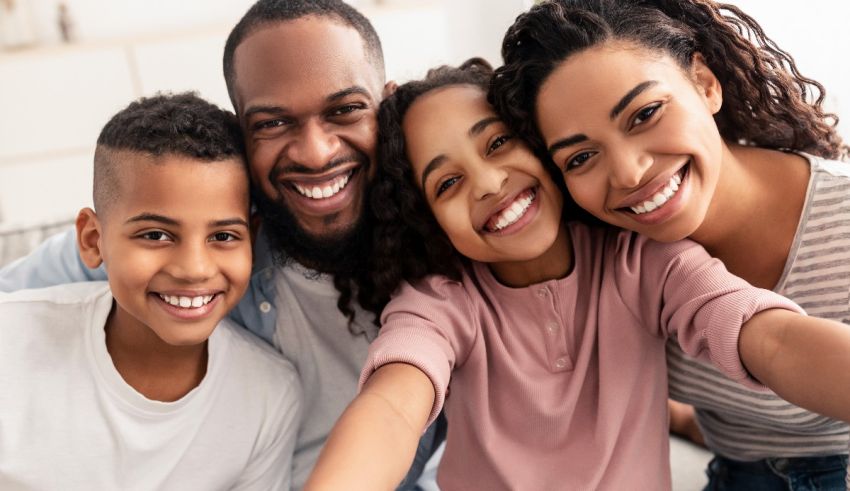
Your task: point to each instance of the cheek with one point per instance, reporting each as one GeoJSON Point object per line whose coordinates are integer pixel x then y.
{"type": "Point", "coordinates": [585, 192]}
{"type": "Point", "coordinates": [261, 158]}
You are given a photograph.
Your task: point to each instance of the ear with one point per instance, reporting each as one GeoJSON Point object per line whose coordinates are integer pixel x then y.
{"type": "Point", "coordinates": [706, 83]}
{"type": "Point", "coordinates": [88, 237]}
{"type": "Point", "coordinates": [389, 88]}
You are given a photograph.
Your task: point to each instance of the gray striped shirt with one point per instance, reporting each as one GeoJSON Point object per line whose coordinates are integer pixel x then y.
{"type": "Point", "coordinates": [740, 423]}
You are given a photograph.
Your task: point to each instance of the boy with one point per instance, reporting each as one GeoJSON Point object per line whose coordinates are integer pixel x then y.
{"type": "Point", "coordinates": [141, 384]}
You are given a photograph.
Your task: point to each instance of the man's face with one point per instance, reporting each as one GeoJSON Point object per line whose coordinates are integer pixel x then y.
{"type": "Point", "coordinates": [307, 97]}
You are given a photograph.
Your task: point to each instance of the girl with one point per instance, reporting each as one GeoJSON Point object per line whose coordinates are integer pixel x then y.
{"type": "Point", "coordinates": [544, 341]}
{"type": "Point", "coordinates": [681, 119]}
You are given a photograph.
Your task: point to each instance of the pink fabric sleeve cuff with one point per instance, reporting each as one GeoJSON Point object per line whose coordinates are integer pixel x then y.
{"type": "Point", "coordinates": [414, 346]}
{"type": "Point", "coordinates": [725, 329]}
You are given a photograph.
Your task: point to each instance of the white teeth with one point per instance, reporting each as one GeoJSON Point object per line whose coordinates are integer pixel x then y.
{"type": "Point", "coordinates": [326, 191]}
{"type": "Point", "coordinates": [660, 198]}
{"type": "Point", "coordinates": [186, 302]}
{"type": "Point", "coordinates": [513, 213]}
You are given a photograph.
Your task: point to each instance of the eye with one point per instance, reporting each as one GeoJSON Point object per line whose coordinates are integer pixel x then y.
{"type": "Point", "coordinates": [346, 109]}
{"type": "Point", "coordinates": [645, 114]}
{"type": "Point", "coordinates": [223, 237]}
{"type": "Point", "coordinates": [498, 142]}
{"type": "Point", "coordinates": [445, 185]}
{"type": "Point", "coordinates": [347, 113]}
{"type": "Point", "coordinates": [269, 124]}
{"type": "Point", "coordinates": [578, 160]}
{"type": "Point", "coordinates": [156, 236]}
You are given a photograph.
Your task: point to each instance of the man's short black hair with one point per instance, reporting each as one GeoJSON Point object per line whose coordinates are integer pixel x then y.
{"type": "Point", "coordinates": [181, 124]}
{"type": "Point", "coordinates": [266, 12]}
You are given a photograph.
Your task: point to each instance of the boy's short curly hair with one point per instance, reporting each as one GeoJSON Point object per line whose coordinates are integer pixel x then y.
{"type": "Point", "coordinates": [180, 124]}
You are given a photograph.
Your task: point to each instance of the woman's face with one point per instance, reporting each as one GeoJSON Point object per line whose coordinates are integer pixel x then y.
{"type": "Point", "coordinates": [635, 137]}
{"type": "Point", "coordinates": [488, 192]}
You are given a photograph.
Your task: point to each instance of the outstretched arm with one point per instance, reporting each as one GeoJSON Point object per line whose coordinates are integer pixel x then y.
{"type": "Point", "coordinates": [805, 360]}
{"type": "Point", "coordinates": [373, 444]}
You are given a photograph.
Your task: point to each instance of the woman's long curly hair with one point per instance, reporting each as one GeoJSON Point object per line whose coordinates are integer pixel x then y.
{"type": "Point", "coordinates": [766, 102]}
{"type": "Point", "coordinates": [408, 243]}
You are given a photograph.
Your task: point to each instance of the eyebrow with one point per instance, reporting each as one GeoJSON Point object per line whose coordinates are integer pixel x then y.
{"type": "Point", "coordinates": [354, 89]}
{"type": "Point", "coordinates": [480, 126]}
{"type": "Point", "coordinates": [152, 217]}
{"type": "Point", "coordinates": [636, 91]}
{"type": "Point", "coordinates": [566, 142]}
{"type": "Point", "coordinates": [439, 160]}
{"type": "Point", "coordinates": [618, 108]}
{"type": "Point", "coordinates": [278, 110]}
{"type": "Point", "coordinates": [227, 222]}
{"type": "Point", "coordinates": [433, 165]}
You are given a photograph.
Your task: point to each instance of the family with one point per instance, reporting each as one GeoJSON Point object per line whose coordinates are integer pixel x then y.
{"type": "Point", "coordinates": [645, 200]}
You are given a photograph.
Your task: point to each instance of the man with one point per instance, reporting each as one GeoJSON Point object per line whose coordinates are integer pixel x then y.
{"type": "Point", "coordinates": [305, 78]}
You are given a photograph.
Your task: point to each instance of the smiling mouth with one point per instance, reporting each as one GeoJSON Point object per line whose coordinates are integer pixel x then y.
{"type": "Point", "coordinates": [319, 190]}
{"type": "Point", "coordinates": [659, 199]}
{"type": "Point", "coordinates": [184, 302]}
{"type": "Point", "coordinates": [510, 214]}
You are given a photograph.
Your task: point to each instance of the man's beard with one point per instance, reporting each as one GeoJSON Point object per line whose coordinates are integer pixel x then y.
{"type": "Point", "coordinates": [341, 253]}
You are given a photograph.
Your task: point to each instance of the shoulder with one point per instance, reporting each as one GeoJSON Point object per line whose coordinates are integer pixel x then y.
{"type": "Point", "coordinates": [830, 168]}
{"type": "Point", "coordinates": [68, 295]}
{"type": "Point", "coordinates": [627, 249]}
{"type": "Point", "coordinates": [430, 292]}
{"type": "Point", "coordinates": [251, 358]}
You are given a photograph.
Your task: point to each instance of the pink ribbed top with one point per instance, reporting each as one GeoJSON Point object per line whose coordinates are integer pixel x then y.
{"type": "Point", "coordinates": [562, 385]}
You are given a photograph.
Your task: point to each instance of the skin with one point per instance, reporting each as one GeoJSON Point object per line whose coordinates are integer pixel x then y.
{"type": "Point", "coordinates": [307, 98]}
{"type": "Point", "coordinates": [168, 235]}
{"type": "Point", "coordinates": [742, 204]}
{"type": "Point", "coordinates": [374, 441]}
{"type": "Point", "coordinates": [471, 170]}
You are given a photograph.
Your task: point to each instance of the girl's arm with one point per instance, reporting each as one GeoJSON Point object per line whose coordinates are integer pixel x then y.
{"type": "Point", "coordinates": [373, 443]}
{"type": "Point", "coordinates": [805, 360]}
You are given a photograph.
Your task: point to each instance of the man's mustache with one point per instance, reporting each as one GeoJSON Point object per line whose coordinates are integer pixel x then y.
{"type": "Point", "coordinates": [296, 168]}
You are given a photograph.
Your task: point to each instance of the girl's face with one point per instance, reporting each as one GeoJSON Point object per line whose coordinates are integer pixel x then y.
{"type": "Point", "coordinates": [488, 192]}
{"type": "Point", "coordinates": [635, 137]}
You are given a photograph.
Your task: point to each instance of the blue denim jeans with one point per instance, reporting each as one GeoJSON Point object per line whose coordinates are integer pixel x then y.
{"type": "Point", "coordinates": [794, 474]}
{"type": "Point", "coordinates": [428, 444]}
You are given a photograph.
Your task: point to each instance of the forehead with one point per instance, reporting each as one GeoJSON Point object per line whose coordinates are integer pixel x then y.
{"type": "Point", "coordinates": [438, 122]}
{"type": "Point", "coordinates": [442, 118]}
{"type": "Point", "coordinates": [595, 79]}
{"type": "Point", "coordinates": [302, 61]}
{"type": "Point", "coordinates": [180, 184]}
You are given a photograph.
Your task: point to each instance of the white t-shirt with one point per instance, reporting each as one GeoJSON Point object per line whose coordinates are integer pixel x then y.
{"type": "Point", "coordinates": [69, 421]}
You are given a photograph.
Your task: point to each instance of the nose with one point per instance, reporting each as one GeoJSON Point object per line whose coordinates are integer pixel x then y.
{"type": "Point", "coordinates": [313, 146]}
{"type": "Point", "coordinates": [192, 263]}
{"type": "Point", "coordinates": [628, 167]}
{"type": "Point", "coordinates": [487, 180]}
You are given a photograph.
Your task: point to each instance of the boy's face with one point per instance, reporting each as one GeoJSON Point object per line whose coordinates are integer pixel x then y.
{"type": "Point", "coordinates": [175, 243]}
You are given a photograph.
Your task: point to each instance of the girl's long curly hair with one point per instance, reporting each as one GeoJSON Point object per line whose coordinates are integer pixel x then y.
{"type": "Point", "coordinates": [766, 101]}
{"type": "Point", "coordinates": [408, 243]}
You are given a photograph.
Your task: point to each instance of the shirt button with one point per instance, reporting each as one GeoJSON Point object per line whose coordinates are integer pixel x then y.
{"type": "Point", "coordinates": [268, 274]}
{"type": "Point", "coordinates": [552, 327]}
{"type": "Point", "coordinates": [561, 362]}
{"type": "Point", "coordinates": [265, 307]}
{"type": "Point", "coordinates": [542, 293]}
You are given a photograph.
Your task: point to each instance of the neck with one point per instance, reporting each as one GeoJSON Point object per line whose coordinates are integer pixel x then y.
{"type": "Point", "coordinates": [555, 262]}
{"type": "Point", "coordinates": [154, 368]}
{"type": "Point", "coordinates": [756, 206]}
